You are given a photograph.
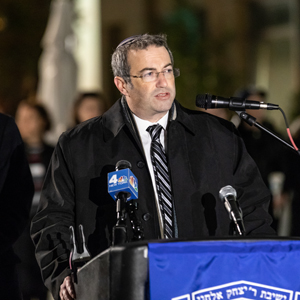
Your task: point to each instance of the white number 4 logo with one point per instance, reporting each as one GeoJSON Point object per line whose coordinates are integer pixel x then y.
{"type": "Point", "coordinates": [114, 179]}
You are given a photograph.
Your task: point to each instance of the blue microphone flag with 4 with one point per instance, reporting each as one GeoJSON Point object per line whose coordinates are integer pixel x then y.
{"type": "Point", "coordinates": [122, 181]}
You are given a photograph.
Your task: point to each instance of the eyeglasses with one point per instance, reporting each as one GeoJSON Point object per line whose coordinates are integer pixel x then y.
{"type": "Point", "coordinates": [150, 76]}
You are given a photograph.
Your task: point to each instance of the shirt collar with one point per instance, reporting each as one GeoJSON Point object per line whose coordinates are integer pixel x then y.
{"type": "Point", "coordinates": [142, 125]}
{"type": "Point", "coordinates": [119, 114]}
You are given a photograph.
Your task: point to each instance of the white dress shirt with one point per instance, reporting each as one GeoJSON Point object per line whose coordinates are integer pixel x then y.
{"type": "Point", "coordinates": [145, 137]}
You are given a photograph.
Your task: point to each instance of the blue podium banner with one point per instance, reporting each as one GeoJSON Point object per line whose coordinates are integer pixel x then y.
{"type": "Point", "coordinates": [225, 270]}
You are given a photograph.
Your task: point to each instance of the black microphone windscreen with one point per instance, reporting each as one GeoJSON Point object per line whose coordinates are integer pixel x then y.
{"type": "Point", "coordinates": [201, 100]}
{"type": "Point", "coordinates": [204, 101]}
{"type": "Point", "coordinates": [123, 164]}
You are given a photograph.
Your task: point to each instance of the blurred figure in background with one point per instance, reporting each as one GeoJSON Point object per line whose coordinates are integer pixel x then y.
{"type": "Point", "coordinates": [292, 182]}
{"type": "Point", "coordinates": [16, 192]}
{"type": "Point", "coordinates": [271, 158]}
{"type": "Point", "coordinates": [33, 122]}
{"type": "Point", "coordinates": [87, 106]}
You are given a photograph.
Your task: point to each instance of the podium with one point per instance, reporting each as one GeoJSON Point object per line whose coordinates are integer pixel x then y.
{"type": "Point", "coordinates": [224, 269]}
{"type": "Point", "coordinates": [120, 272]}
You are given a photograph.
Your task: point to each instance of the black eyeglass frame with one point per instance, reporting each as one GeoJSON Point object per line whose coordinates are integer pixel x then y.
{"type": "Point", "coordinates": [176, 73]}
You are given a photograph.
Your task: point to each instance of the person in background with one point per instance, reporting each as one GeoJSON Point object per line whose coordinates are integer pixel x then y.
{"type": "Point", "coordinates": [33, 121]}
{"type": "Point", "coordinates": [16, 192]}
{"type": "Point", "coordinates": [292, 182]}
{"type": "Point", "coordinates": [270, 156]}
{"type": "Point", "coordinates": [87, 106]}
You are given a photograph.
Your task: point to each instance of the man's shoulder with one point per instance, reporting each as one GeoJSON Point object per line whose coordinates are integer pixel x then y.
{"type": "Point", "coordinates": [7, 122]}
{"type": "Point", "coordinates": [5, 118]}
{"type": "Point", "coordinates": [10, 138]}
{"type": "Point", "coordinates": [84, 129]}
{"type": "Point", "coordinates": [9, 132]}
{"type": "Point", "coordinates": [201, 118]}
{"type": "Point", "coordinates": [97, 126]}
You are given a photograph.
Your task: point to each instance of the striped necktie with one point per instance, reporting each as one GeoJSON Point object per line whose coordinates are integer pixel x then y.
{"type": "Point", "coordinates": [162, 179]}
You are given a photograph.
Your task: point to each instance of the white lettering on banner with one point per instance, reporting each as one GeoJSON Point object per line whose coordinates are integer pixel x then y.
{"type": "Point", "coordinates": [211, 296]}
{"type": "Point", "coordinates": [241, 290]}
{"type": "Point", "coordinates": [254, 290]}
{"type": "Point", "coordinates": [297, 295]}
{"type": "Point", "coordinates": [269, 296]}
{"type": "Point", "coordinates": [236, 291]}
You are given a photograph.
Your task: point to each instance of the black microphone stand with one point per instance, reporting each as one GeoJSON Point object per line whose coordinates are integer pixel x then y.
{"type": "Point", "coordinates": [236, 215]}
{"type": "Point", "coordinates": [136, 225]}
{"type": "Point", "coordinates": [238, 227]}
{"type": "Point", "coordinates": [78, 258]}
{"type": "Point", "coordinates": [120, 229]}
{"type": "Point", "coordinates": [252, 121]}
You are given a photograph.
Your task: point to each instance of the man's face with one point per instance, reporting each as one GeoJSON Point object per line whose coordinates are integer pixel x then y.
{"type": "Point", "coordinates": [150, 100]}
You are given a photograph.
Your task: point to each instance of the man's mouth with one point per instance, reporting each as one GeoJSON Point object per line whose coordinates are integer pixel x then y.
{"type": "Point", "coordinates": [162, 95]}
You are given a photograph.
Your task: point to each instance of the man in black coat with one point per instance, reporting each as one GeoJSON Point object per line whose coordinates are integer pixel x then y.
{"type": "Point", "coordinates": [205, 153]}
{"type": "Point", "coordinates": [16, 193]}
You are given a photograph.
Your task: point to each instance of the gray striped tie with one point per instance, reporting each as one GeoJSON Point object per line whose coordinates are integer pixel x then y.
{"type": "Point", "coordinates": [163, 185]}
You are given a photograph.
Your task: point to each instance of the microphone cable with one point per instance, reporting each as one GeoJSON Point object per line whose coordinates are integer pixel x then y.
{"type": "Point", "coordinates": [288, 130]}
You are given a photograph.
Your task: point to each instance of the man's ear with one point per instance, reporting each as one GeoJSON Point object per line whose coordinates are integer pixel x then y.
{"type": "Point", "coordinates": [121, 85]}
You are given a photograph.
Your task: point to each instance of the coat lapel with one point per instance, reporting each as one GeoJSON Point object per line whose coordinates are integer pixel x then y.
{"type": "Point", "coordinates": [187, 198]}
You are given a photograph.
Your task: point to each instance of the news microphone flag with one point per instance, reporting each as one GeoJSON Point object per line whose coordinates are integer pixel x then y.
{"type": "Point", "coordinates": [122, 181]}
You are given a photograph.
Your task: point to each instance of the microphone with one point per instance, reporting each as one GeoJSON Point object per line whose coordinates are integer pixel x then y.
{"type": "Point", "coordinates": [208, 101]}
{"type": "Point", "coordinates": [122, 181]}
{"type": "Point", "coordinates": [228, 195]}
{"type": "Point", "coordinates": [122, 187]}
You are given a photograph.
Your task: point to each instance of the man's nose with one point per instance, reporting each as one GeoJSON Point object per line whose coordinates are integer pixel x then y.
{"type": "Point", "coordinates": [161, 80]}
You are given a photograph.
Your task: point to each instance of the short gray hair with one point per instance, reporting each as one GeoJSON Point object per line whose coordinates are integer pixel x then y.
{"type": "Point", "coordinates": [119, 62]}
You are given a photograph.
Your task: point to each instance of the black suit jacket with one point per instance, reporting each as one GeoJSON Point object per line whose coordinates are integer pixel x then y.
{"type": "Point", "coordinates": [16, 188]}
{"type": "Point", "coordinates": [205, 153]}
{"type": "Point", "coordinates": [16, 192]}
